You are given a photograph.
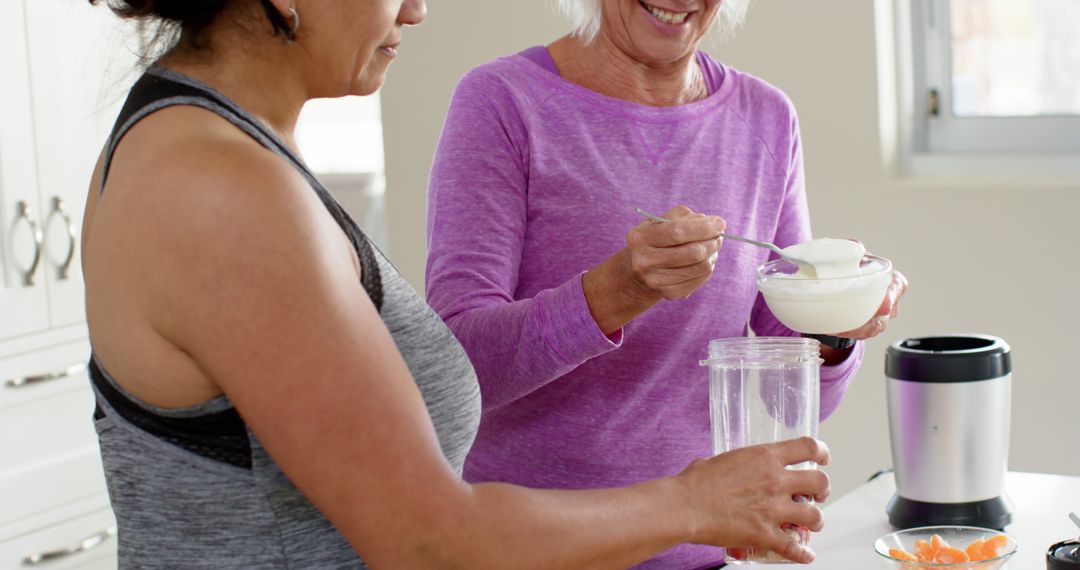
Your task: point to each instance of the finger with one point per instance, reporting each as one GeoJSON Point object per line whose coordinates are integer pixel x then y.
{"type": "Point", "coordinates": [677, 275]}
{"type": "Point", "coordinates": [902, 280]}
{"type": "Point", "coordinates": [679, 211]}
{"type": "Point", "coordinates": [789, 544]}
{"type": "Point", "coordinates": [804, 515]}
{"type": "Point", "coordinates": [679, 256]}
{"type": "Point", "coordinates": [681, 231]}
{"type": "Point", "coordinates": [872, 328]}
{"type": "Point", "coordinates": [886, 304]}
{"type": "Point", "coordinates": [892, 295]}
{"type": "Point", "coordinates": [808, 483]}
{"type": "Point", "coordinates": [684, 289]}
{"type": "Point", "coordinates": [876, 326]}
{"type": "Point", "coordinates": [901, 288]}
{"type": "Point", "coordinates": [795, 451]}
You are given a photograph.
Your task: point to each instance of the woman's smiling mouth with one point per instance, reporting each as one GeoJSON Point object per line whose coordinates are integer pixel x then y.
{"type": "Point", "coordinates": [665, 16]}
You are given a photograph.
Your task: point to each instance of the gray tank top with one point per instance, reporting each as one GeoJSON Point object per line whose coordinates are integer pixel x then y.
{"type": "Point", "coordinates": [193, 487]}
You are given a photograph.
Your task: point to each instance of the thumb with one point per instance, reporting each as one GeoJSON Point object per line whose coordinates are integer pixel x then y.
{"type": "Point", "coordinates": [886, 306]}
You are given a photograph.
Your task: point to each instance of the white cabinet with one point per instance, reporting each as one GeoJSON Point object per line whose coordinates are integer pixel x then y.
{"type": "Point", "coordinates": [50, 455]}
{"type": "Point", "coordinates": [79, 74]}
{"type": "Point", "coordinates": [23, 297]}
{"type": "Point", "coordinates": [64, 72]}
{"type": "Point", "coordinates": [52, 485]}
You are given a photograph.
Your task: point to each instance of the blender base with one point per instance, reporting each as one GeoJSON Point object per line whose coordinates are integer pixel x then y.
{"type": "Point", "coordinates": [992, 513]}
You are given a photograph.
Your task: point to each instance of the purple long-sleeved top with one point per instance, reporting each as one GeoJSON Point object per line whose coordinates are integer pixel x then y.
{"type": "Point", "coordinates": [535, 181]}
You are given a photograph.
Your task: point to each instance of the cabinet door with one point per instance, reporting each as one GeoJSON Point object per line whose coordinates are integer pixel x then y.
{"type": "Point", "coordinates": [23, 298]}
{"type": "Point", "coordinates": [80, 71]}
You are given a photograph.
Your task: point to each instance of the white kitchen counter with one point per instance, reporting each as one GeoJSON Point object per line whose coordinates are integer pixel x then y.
{"type": "Point", "coordinates": [1041, 504]}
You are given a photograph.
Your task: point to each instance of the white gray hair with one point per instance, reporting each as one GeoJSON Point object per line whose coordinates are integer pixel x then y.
{"type": "Point", "coordinates": [585, 16]}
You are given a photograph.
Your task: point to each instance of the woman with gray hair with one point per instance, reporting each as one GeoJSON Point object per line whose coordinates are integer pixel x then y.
{"type": "Point", "coordinates": [584, 323]}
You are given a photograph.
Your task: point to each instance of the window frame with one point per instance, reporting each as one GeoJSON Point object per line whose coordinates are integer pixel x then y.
{"type": "Point", "coordinates": [914, 57]}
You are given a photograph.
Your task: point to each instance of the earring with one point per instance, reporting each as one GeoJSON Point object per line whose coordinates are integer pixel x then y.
{"type": "Point", "coordinates": [295, 17]}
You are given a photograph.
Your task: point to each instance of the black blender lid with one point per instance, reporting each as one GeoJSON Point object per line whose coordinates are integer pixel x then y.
{"type": "Point", "coordinates": [1064, 556]}
{"type": "Point", "coordinates": [948, 358]}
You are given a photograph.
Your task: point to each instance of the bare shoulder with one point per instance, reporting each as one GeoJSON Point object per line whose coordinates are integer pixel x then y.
{"type": "Point", "coordinates": [211, 222]}
{"type": "Point", "coordinates": [189, 160]}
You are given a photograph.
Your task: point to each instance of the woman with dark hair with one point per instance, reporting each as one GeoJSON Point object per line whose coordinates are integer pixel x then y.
{"type": "Point", "coordinates": [270, 392]}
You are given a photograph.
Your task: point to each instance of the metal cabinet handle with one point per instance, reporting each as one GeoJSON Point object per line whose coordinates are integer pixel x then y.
{"type": "Point", "coordinates": [59, 208]}
{"type": "Point", "coordinates": [72, 370]}
{"type": "Point", "coordinates": [89, 543]}
{"type": "Point", "coordinates": [22, 213]}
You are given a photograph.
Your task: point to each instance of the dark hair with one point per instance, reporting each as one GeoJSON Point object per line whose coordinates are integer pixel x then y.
{"type": "Point", "coordinates": [186, 20]}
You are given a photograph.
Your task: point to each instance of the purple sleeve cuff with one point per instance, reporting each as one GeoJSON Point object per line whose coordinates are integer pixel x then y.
{"type": "Point", "coordinates": [569, 327]}
{"type": "Point", "coordinates": [836, 379]}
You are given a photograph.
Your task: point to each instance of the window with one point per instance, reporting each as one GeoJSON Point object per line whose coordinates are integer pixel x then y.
{"type": "Point", "coordinates": [341, 140]}
{"type": "Point", "coordinates": [995, 79]}
{"type": "Point", "coordinates": [1015, 59]}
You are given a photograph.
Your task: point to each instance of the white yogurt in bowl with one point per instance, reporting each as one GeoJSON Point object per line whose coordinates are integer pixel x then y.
{"type": "Point", "coordinates": [840, 294]}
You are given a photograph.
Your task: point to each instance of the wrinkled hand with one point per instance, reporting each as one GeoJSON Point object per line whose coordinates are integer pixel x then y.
{"type": "Point", "coordinates": [673, 259]}
{"type": "Point", "coordinates": [890, 306]}
{"type": "Point", "coordinates": [742, 498]}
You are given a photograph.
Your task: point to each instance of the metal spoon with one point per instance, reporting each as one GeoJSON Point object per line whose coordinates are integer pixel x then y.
{"type": "Point", "coordinates": [764, 244]}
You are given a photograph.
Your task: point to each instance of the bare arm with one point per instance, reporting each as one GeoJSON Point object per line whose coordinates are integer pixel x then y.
{"type": "Point", "coordinates": [259, 289]}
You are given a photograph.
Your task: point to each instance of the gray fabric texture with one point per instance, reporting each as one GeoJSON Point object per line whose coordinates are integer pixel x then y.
{"type": "Point", "coordinates": [177, 509]}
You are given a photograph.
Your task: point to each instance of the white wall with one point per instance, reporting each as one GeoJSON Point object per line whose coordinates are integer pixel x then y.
{"type": "Point", "coordinates": [455, 37]}
{"type": "Point", "coordinates": [969, 249]}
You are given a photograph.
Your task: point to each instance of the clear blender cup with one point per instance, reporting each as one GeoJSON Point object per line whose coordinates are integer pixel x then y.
{"type": "Point", "coordinates": [763, 390]}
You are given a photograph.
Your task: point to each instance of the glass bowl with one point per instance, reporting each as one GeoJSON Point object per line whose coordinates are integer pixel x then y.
{"type": "Point", "coordinates": [957, 537]}
{"type": "Point", "coordinates": [824, 306]}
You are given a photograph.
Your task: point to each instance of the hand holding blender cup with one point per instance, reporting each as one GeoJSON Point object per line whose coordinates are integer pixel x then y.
{"type": "Point", "coordinates": [764, 390]}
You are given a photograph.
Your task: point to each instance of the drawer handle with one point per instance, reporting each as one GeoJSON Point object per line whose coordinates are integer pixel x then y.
{"type": "Point", "coordinates": [89, 543]}
{"type": "Point", "coordinates": [25, 381]}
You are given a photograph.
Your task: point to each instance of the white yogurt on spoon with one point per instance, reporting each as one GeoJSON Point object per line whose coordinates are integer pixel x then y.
{"type": "Point", "coordinates": [826, 258]}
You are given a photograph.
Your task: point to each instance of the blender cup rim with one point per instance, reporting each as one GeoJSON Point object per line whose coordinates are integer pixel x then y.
{"type": "Point", "coordinates": [738, 349]}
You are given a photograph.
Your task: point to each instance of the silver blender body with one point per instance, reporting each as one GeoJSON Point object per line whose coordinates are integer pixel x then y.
{"type": "Point", "coordinates": [949, 401]}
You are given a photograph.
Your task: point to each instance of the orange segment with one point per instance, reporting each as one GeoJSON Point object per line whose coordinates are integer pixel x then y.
{"type": "Point", "coordinates": [975, 550]}
{"type": "Point", "coordinates": [924, 552]}
{"type": "Point", "coordinates": [902, 555]}
{"type": "Point", "coordinates": [938, 543]}
{"type": "Point", "coordinates": [950, 555]}
{"type": "Point", "coordinates": [995, 546]}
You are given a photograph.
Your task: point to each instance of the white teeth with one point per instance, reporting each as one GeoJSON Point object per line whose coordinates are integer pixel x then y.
{"type": "Point", "coordinates": [664, 15]}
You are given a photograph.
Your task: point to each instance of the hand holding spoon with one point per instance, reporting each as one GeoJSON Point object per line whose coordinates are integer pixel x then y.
{"type": "Point", "coordinates": [772, 247]}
